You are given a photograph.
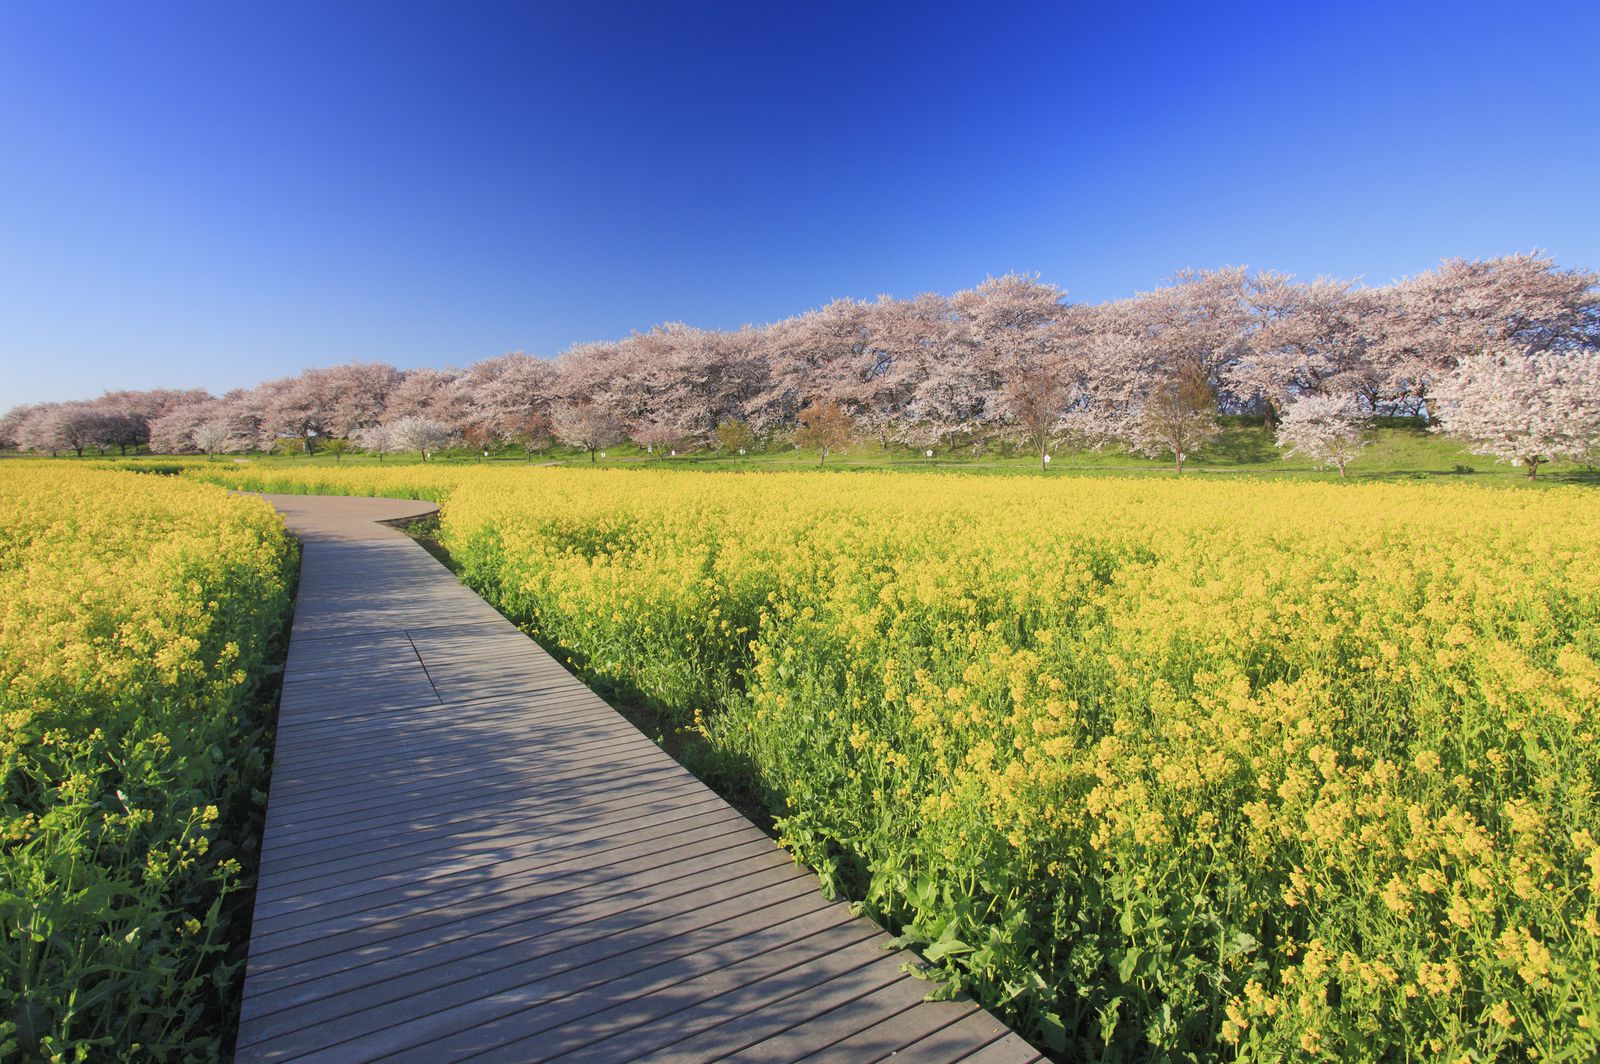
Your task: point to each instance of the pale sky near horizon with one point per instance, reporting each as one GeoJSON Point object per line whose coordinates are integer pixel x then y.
{"type": "Point", "coordinates": [196, 194]}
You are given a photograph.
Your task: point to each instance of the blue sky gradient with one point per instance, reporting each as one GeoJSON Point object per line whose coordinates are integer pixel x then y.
{"type": "Point", "coordinates": [214, 194]}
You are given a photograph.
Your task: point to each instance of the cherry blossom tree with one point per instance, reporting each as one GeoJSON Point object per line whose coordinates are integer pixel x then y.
{"type": "Point", "coordinates": [1177, 418]}
{"type": "Point", "coordinates": [174, 431]}
{"type": "Point", "coordinates": [425, 435]}
{"type": "Point", "coordinates": [130, 414]}
{"type": "Point", "coordinates": [1444, 315]}
{"type": "Point", "coordinates": [910, 381]}
{"type": "Point", "coordinates": [351, 396]}
{"type": "Point", "coordinates": [332, 401]}
{"type": "Point", "coordinates": [1307, 338]}
{"type": "Point", "coordinates": [832, 355]}
{"type": "Point", "coordinates": [949, 394]}
{"type": "Point", "coordinates": [1524, 407]}
{"type": "Point", "coordinates": [1324, 428]}
{"type": "Point", "coordinates": [212, 438]}
{"type": "Point", "coordinates": [430, 393]}
{"type": "Point", "coordinates": [10, 425]}
{"type": "Point", "coordinates": [1007, 318]}
{"type": "Point", "coordinates": [481, 436]}
{"type": "Point", "coordinates": [789, 380]}
{"type": "Point", "coordinates": [1017, 375]}
{"type": "Point", "coordinates": [587, 426]}
{"type": "Point", "coordinates": [1520, 300]}
{"type": "Point", "coordinates": [601, 378]}
{"type": "Point", "coordinates": [654, 436]}
{"type": "Point", "coordinates": [291, 408]}
{"type": "Point", "coordinates": [1200, 324]}
{"type": "Point", "coordinates": [685, 380]}
{"type": "Point", "coordinates": [30, 427]}
{"type": "Point", "coordinates": [121, 429]}
{"type": "Point", "coordinates": [1008, 357]}
{"type": "Point", "coordinates": [1115, 366]}
{"type": "Point", "coordinates": [1037, 400]}
{"type": "Point", "coordinates": [57, 427]}
{"type": "Point", "coordinates": [375, 438]}
{"type": "Point", "coordinates": [532, 433]}
{"type": "Point", "coordinates": [503, 394]}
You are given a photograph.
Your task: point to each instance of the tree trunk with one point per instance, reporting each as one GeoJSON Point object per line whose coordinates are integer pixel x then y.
{"type": "Point", "coordinates": [1533, 467]}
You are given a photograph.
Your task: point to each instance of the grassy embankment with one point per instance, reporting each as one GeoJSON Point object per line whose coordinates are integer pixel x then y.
{"type": "Point", "coordinates": [1400, 449]}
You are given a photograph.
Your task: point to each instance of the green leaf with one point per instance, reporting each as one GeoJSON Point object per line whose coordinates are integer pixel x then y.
{"type": "Point", "coordinates": [1052, 1032]}
{"type": "Point", "coordinates": [946, 947]}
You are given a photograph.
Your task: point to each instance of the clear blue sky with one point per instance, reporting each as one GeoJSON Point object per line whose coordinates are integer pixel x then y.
{"type": "Point", "coordinates": [216, 193]}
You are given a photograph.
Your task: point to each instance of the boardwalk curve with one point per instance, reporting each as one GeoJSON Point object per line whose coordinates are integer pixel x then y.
{"type": "Point", "coordinates": [469, 855]}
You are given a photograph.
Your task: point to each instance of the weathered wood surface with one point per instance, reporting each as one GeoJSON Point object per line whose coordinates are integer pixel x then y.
{"type": "Point", "coordinates": [470, 855]}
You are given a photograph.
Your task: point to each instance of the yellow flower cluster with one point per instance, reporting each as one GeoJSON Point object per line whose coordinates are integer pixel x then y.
{"type": "Point", "coordinates": [1157, 769]}
{"type": "Point", "coordinates": [137, 615]}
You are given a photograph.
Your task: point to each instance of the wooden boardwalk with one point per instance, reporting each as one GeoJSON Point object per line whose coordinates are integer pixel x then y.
{"type": "Point", "coordinates": [470, 855]}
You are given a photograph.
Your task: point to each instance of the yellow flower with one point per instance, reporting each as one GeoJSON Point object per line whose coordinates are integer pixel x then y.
{"type": "Point", "coordinates": [1339, 713]}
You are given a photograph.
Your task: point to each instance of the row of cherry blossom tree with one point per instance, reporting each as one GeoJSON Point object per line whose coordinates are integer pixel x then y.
{"type": "Point", "coordinates": [1501, 350]}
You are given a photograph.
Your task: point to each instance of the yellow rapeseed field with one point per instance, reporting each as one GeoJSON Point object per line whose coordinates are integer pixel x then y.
{"type": "Point", "coordinates": [138, 615]}
{"type": "Point", "coordinates": [1156, 769]}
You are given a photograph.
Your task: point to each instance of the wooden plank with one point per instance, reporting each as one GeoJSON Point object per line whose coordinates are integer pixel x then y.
{"type": "Point", "coordinates": [631, 908]}
{"type": "Point", "coordinates": [434, 1020]}
{"type": "Point", "coordinates": [891, 1036]}
{"type": "Point", "coordinates": [362, 894]}
{"type": "Point", "coordinates": [386, 742]}
{"type": "Point", "coordinates": [502, 899]}
{"type": "Point", "coordinates": [653, 992]}
{"type": "Point", "coordinates": [639, 894]}
{"type": "Point", "coordinates": [468, 853]}
{"type": "Point", "coordinates": [450, 823]}
{"type": "Point", "coordinates": [814, 992]}
{"type": "Point", "coordinates": [369, 821]}
{"type": "Point", "coordinates": [340, 880]}
{"type": "Point", "coordinates": [823, 1029]}
{"type": "Point", "coordinates": [955, 1043]}
{"type": "Point", "coordinates": [495, 770]}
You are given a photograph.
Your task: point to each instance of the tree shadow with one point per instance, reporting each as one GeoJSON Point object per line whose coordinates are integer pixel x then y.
{"type": "Point", "coordinates": [1240, 445]}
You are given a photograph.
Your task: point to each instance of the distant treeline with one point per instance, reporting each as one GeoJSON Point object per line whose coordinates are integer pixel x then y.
{"type": "Point", "coordinates": [1010, 358]}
